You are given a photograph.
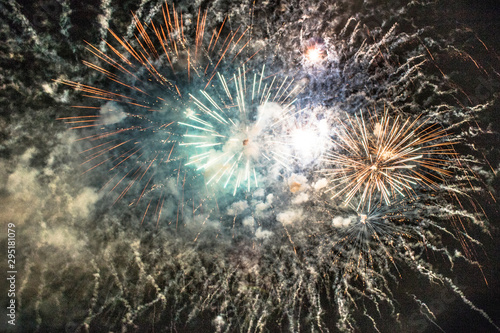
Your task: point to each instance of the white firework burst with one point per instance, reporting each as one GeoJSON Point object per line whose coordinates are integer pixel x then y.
{"type": "Point", "coordinates": [234, 129]}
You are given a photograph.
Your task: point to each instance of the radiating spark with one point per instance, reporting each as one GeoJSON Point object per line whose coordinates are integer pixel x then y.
{"type": "Point", "coordinates": [315, 52]}
{"type": "Point", "coordinates": [235, 124]}
{"type": "Point", "coordinates": [313, 55]}
{"type": "Point", "coordinates": [367, 238]}
{"type": "Point", "coordinates": [150, 77]}
{"type": "Point", "coordinates": [386, 157]}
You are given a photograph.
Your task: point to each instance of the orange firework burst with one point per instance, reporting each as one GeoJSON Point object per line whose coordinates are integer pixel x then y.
{"type": "Point", "coordinates": [148, 79]}
{"type": "Point", "coordinates": [386, 156]}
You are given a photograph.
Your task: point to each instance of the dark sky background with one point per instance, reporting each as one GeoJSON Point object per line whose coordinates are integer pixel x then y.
{"type": "Point", "coordinates": [85, 264]}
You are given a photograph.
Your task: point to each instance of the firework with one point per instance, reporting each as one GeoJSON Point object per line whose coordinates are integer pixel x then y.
{"type": "Point", "coordinates": [368, 236]}
{"type": "Point", "coordinates": [240, 128]}
{"type": "Point", "coordinates": [315, 51]}
{"type": "Point", "coordinates": [386, 157]}
{"type": "Point", "coordinates": [176, 112]}
{"type": "Point", "coordinates": [133, 135]}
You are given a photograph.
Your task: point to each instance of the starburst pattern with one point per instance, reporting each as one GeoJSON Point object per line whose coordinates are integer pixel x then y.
{"type": "Point", "coordinates": [237, 130]}
{"type": "Point", "coordinates": [133, 136]}
{"type": "Point", "coordinates": [386, 157]}
{"type": "Point", "coordinates": [368, 237]}
{"type": "Point", "coordinates": [173, 116]}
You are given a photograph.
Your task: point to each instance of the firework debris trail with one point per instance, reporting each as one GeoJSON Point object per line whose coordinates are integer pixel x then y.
{"type": "Point", "coordinates": [282, 254]}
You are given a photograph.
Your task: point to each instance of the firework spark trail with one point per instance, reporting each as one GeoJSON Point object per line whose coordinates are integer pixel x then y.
{"type": "Point", "coordinates": [426, 270]}
{"type": "Point", "coordinates": [375, 244]}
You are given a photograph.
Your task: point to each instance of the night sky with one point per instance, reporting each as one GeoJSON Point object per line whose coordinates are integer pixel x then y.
{"type": "Point", "coordinates": [124, 221]}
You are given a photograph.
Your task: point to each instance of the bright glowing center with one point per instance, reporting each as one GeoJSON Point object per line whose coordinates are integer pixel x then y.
{"type": "Point", "coordinates": [310, 142]}
{"type": "Point", "coordinates": [313, 54]}
{"type": "Point", "coordinates": [305, 141]}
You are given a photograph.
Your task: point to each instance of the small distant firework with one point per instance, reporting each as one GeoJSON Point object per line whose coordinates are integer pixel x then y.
{"type": "Point", "coordinates": [236, 130]}
{"type": "Point", "coordinates": [367, 238]}
{"type": "Point", "coordinates": [315, 51]}
{"type": "Point", "coordinates": [385, 157]}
